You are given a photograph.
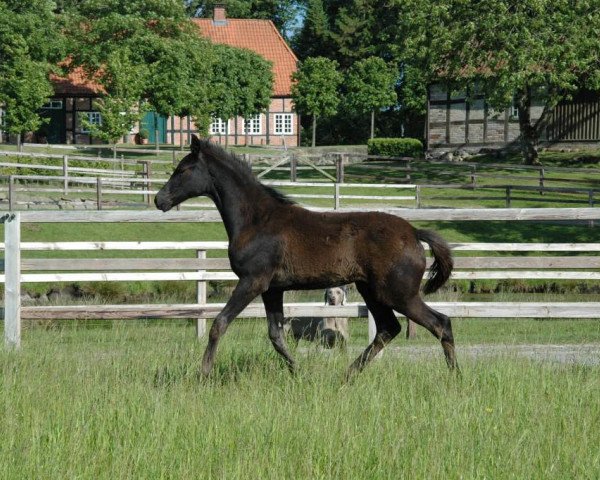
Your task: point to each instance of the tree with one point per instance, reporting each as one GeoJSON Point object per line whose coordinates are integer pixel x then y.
{"type": "Point", "coordinates": [256, 85]}
{"type": "Point", "coordinates": [314, 37]}
{"type": "Point", "coordinates": [242, 84]}
{"type": "Point", "coordinates": [510, 51]}
{"type": "Point", "coordinates": [370, 86]}
{"type": "Point", "coordinates": [30, 46]}
{"type": "Point", "coordinates": [172, 63]}
{"type": "Point", "coordinates": [120, 107]}
{"type": "Point", "coordinates": [315, 89]}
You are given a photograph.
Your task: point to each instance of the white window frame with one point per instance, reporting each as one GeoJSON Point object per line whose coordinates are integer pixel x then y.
{"type": "Point", "coordinates": [53, 105]}
{"type": "Point", "coordinates": [218, 126]}
{"type": "Point", "coordinates": [284, 124]}
{"type": "Point", "coordinates": [95, 118]}
{"type": "Point", "coordinates": [253, 126]}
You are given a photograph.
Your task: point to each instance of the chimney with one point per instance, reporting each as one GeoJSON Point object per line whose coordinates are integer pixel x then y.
{"type": "Point", "coordinates": [219, 14]}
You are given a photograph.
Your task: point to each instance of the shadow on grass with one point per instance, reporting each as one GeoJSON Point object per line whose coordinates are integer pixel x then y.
{"type": "Point", "coordinates": [227, 369]}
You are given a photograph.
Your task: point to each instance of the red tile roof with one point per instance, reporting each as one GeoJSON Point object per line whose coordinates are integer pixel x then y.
{"type": "Point", "coordinates": [260, 36]}
{"type": "Point", "coordinates": [75, 83]}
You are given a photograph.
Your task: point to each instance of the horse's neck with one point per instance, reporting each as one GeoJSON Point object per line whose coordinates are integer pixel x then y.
{"type": "Point", "coordinates": [236, 195]}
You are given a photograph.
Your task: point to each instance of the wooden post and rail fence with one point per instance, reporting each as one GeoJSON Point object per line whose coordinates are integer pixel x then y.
{"type": "Point", "coordinates": [584, 266]}
{"type": "Point", "coordinates": [140, 178]}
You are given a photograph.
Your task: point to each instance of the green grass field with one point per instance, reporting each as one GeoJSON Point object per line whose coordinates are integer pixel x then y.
{"type": "Point", "coordinates": [125, 402]}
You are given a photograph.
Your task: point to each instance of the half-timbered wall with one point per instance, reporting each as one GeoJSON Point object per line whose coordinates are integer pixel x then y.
{"type": "Point", "coordinates": [181, 128]}
{"type": "Point", "coordinates": [464, 119]}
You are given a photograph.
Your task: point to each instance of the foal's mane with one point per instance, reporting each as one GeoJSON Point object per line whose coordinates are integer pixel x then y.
{"type": "Point", "coordinates": [243, 168]}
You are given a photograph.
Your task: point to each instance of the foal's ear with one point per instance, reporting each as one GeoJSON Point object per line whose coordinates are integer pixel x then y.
{"type": "Point", "coordinates": [196, 145]}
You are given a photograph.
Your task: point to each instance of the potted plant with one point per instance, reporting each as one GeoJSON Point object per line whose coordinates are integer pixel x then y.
{"type": "Point", "coordinates": [141, 138]}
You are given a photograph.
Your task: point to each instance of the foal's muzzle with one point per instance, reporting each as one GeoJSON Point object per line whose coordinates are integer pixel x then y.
{"type": "Point", "coordinates": [163, 202]}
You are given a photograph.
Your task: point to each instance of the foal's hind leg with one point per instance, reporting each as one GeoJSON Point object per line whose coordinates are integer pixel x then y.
{"type": "Point", "coordinates": [273, 300]}
{"type": "Point", "coordinates": [437, 323]}
{"type": "Point", "coordinates": [387, 328]}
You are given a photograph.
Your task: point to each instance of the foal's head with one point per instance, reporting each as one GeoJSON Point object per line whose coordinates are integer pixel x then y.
{"type": "Point", "coordinates": [190, 179]}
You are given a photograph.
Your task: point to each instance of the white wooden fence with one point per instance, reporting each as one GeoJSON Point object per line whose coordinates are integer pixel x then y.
{"type": "Point", "coordinates": [585, 266]}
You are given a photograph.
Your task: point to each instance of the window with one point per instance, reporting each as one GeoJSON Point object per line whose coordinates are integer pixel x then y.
{"type": "Point", "coordinates": [53, 105]}
{"type": "Point", "coordinates": [284, 124]}
{"type": "Point", "coordinates": [218, 126]}
{"type": "Point", "coordinates": [252, 125]}
{"type": "Point", "coordinates": [94, 118]}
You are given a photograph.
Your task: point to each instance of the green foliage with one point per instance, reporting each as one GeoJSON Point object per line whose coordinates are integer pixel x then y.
{"type": "Point", "coordinates": [30, 44]}
{"type": "Point", "coordinates": [313, 39]}
{"type": "Point", "coordinates": [315, 90]}
{"type": "Point", "coordinates": [256, 83]}
{"type": "Point", "coordinates": [509, 51]}
{"type": "Point", "coordinates": [395, 147]}
{"type": "Point", "coordinates": [370, 85]}
{"type": "Point", "coordinates": [157, 53]}
{"type": "Point", "coordinates": [242, 83]}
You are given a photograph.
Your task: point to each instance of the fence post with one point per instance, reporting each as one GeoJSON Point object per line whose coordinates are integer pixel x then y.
{"type": "Point", "coordinates": [336, 196]}
{"type": "Point", "coordinates": [174, 158]}
{"type": "Point", "coordinates": [418, 195]}
{"type": "Point", "coordinates": [144, 176]}
{"type": "Point", "coordinates": [591, 203]}
{"type": "Point", "coordinates": [293, 164]}
{"type": "Point", "coordinates": [66, 173]}
{"type": "Point", "coordinates": [508, 191]}
{"type": "Point", "coordinates": [339, 170]}
{"type": "Point", "coordinates": [201, 299]}
{"type": "Point", "coordinates": [99, 192]}
{"type": "Point", "coordinates": [12, 285]}
{"type": "Point", "coordinates": [11, 193]}
{"type": "Point", "coordinates": [372, 327]}
{"type": "Point", "coordinates": [541, 180]}
{"type": "Point", "coordinates": [148, 183]}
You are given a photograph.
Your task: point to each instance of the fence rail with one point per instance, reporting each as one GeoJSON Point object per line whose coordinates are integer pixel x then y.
{"type": "Point", "coordinates": [129, 174]}
{"type": "Point", "coordinates": [202, 269]}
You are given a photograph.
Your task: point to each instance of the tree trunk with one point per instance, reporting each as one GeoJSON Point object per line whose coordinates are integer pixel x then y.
{"type": "Point", "coordinates": [529, 133]}
{"type": "Point", "coordinates": [181, 142]}
{"type": "Point", "coordinates": [227, 133]}
{"type": "Point", "coordinates": [314, 131]}
{"type": "Point", "coordinates": [156, 130]}
{"type": "Point", "coordinates": [246, 128]}
{"type": "Point", "coordinates": [372, 123]}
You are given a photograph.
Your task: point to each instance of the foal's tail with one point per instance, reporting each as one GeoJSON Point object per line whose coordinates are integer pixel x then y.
{"type": "Point", "coordinates": [442, 266]}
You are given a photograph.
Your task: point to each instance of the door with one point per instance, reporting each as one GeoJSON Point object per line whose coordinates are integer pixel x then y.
{"type": "Point", "coordinates": [148, 122]}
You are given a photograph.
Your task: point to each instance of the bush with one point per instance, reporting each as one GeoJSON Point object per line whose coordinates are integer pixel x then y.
{"type": "Point", "coordinates": [395, 147]}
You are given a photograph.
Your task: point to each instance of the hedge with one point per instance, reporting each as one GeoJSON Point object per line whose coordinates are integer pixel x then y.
{"type": "Point", "coordinates": [395, 147]}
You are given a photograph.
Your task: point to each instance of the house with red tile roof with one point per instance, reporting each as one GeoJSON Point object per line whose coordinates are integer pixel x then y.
{"type": "Point", "coordinates": [278, 126]}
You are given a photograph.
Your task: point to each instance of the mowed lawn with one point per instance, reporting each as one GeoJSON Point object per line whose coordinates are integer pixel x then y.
{"type": "Point", "coordinates": [124, 401]}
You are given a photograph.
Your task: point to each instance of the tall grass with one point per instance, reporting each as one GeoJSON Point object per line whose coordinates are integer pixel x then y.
{"type": "Point", "coordinates": [126, 403]}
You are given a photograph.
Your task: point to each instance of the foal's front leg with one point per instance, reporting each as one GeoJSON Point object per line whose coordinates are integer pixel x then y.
{"type": "Point", "coordinates": [245, 291]}
{"type": "Point", "coordinates": [273, 300]}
